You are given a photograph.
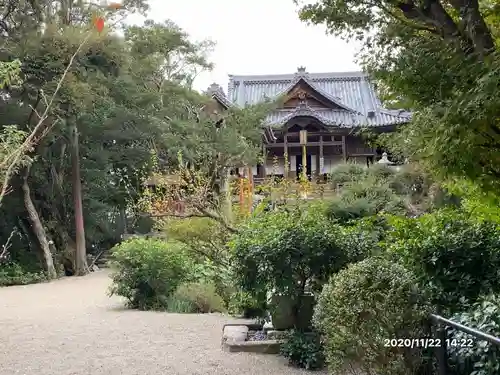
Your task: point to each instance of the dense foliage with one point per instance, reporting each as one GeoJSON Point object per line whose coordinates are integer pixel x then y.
{"type": "Point", "coordinates": [286, 249]}
{"type": "Point", "coordinates": [245, 304]}
{"type": "Point", "coordinates": [148, 271]}
{"type": "Point", "coordinates": [406, 190]}
{"type": "Point", "coordinates": [440, 60]}
{"type": "Point", "coordinates": [365, 304]}
{"type": "Point", "coordinates": [470, 355]}
{"type": "Point", "coordinates": [195, 298]}
{"type": "Point", "coordinates": [454, 256]}
{"type": "Point", "coordinates": [303, 349]}
{"type": "Point", "coordinates": [127, 94]}
{"type": "Point", "coordinates": [14, 274]}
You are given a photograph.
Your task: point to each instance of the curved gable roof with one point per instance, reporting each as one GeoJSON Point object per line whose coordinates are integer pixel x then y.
{"type": "Point", "coordinates": [304, 78]}
{"type": "Point", "coordinates": [351, 91]}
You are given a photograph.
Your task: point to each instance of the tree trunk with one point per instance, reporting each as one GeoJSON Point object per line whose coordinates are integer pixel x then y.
{"type": "Point", "coordinates": [38, 228]}
{"type": "Point", "coordinates": [81, 267]}
{"type": "Point", "coordinates": [123, 222]}
{"type": "Point", "coordinates": [475, 25]}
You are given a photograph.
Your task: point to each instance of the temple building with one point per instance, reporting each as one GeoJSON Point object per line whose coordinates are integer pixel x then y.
{"type": "Point", "coordinates": [320, 115]}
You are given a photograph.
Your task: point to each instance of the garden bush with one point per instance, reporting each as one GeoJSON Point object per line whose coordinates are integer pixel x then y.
{"type": "Point", "coordinates": [12, 273]}
{"type": "Point", "coordinates": [248, 305]}
{"type": "Point", "coordinates": [365, 304]}
{"type": "Point", "coordinates": [285, 249]}
{"type": "Point", "coordinates": [204, 238]}
{"type": "Point", "coordinates": [303, 349]}
{"type": "Point", "coordinates": [456, 257]}
{"type": "Point", "coordinates": [220, 276]}
{"type": "Point", "coordinates": [148, 271]}
{"type": "Point", "coordinates": [476, 357]}
{"type": "Point", "coordinates": [366, 197]}
{"type": "Point", "coordinates": [361, 239]}
{"type": "Point", "coordinates": [407, 190]}
{"type": "Point", "coordinates": [195, 298]}
{"type": "Point", "coordinates": [347, 173]}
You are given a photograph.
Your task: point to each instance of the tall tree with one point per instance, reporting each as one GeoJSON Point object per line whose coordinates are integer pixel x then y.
{"type": "Point", "coordinates": [111, 93]}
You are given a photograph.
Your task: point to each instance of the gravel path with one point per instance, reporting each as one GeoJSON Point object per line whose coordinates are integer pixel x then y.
{"type": "Point", "coordinates": [70, 327]}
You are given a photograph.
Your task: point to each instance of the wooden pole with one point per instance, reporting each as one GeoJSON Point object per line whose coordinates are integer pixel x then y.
{"type": "Point", "coordinates": [304, 161]}
{"type": "Point", "coordinates": [242, 196]}
{"type": "Point", "coordinates": [250, 189]}
{"type": "Point", "coordinates": [344, 149]}
{"type": "Point", "coordinates": [321, 157]}
{"type": "Point", "coordinates": [303, 142]}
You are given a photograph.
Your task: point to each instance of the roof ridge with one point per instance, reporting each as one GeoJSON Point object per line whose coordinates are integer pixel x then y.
{"type": "Point", "coordinates": [291, 76]}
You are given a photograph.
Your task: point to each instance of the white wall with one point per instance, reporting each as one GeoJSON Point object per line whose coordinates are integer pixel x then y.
{"type": "Point", "coordinates": [331, 161]}
{"type": "Point", "coordinates": [293, 162]}
{"type": "Point", "coordinates": [272, 169]}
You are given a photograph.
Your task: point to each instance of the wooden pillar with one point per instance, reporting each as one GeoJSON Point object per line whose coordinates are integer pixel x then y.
{"type": "Point", "coordinates": [303, 143]}
{"type": "Point", "coordinates": [321, 157]}
{"type": "Point", "coordinates": [250, 190]}
{"type": "Point", "coordinates": [263, 172]}
{"type": "Point", "coordinates": [344, 150]}
{"type": "Point", "coordinates": [286, 156]}
{"type": "Point", "coordinates": [304, 161]}
{"type": "Point", "coordinates": [318, 170]}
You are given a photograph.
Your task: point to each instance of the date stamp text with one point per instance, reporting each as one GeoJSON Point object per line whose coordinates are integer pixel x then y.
{"type": "Point", "coordinates": [428, 343]}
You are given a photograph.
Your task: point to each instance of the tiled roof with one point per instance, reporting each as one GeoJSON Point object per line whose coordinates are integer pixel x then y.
{"type": "Point", "coordinates": [351, 91]}
{"type": "Point", "coordinates": [339, 118]}
{"type": "Point", "coordinates": [216, 92]}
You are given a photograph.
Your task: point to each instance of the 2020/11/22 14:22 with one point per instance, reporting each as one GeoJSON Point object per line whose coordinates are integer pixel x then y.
{"type": "Point", "coordinates": [427, 343]}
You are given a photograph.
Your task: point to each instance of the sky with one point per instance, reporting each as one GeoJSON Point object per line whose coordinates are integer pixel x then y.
{"type": "Point", "coordinates": [255, 37]}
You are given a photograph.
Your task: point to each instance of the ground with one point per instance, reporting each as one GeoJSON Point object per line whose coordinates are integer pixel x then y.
{"type": "Point", "coordinates": [71, 327]}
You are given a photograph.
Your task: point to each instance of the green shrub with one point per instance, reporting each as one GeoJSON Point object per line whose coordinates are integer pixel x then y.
{"type": "Point", "coordinates": [204, 238]}
{"type": "Point", "coordinates": [456, 257]}
{"type": "Point", "coordinates": [347, 173]}
{"type": "Point", "coordinates": [286, 249]}
{"type": "Point", "coordinates": [303, 349]}
{"type": "Point", "coordinates": [221, 276]}
{"type": "Point", "coordinates": [380, 196]}
{"type": "Point", "coordinates": [477, 357]}
{"type": "Point", "coordinates": [364, 198]}
{"type": "Point", "coordinates": [13, 274]}
{"type": "Point", "coordinates": [365, 304]}
{"type": "Point", "coordinates": [361, 240]}
{"type": "Point", "coordinates": [381, 172]}
{"type": "Point", "coordinates": [195, 298]}
{"type": "Point", "coordinates": [244, 303]}
{"type": "Point", "coordinates": [346, 211]}
{"type": "Point", "coordinates": [404, 191]}
{"type": "Point", "coordinates": [180, 305]}
{"type": "Point", "coordinates": [148, 271]}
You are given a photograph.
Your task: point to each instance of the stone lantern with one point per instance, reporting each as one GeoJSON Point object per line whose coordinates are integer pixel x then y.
{"type": "Point", "coordinates": [385, 160]}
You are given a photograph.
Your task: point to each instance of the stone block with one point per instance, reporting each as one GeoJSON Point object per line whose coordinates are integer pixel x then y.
{"type": "Point", "coordinates": [235, 333]}
{"type": "Point", "coordinates": [262, 347]}
{"type": "Point", "coordinates": [276, 335]}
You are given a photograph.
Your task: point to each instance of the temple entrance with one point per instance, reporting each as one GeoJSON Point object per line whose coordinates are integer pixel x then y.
{"type": "Point", "coordinates": [298, 165]}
